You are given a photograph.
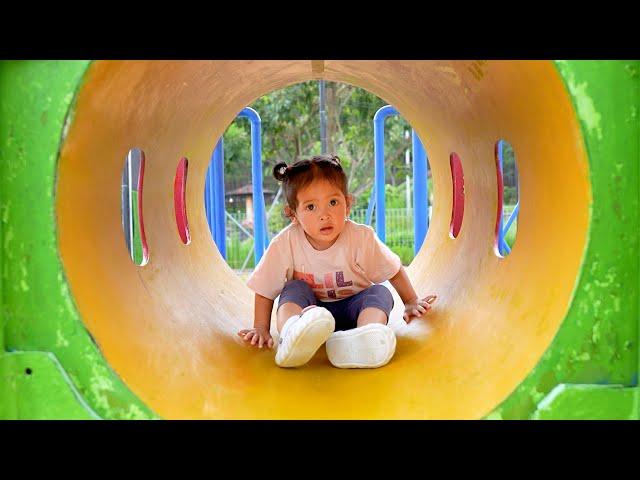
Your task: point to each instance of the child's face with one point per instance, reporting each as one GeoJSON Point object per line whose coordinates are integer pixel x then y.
{"type": "Point", "coordinates": [322, 211]}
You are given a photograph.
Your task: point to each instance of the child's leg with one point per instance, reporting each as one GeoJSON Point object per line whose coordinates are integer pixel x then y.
{"type": "Point", "coordinates": [371, 344]}
{"type": "Point", "coordinates": [300, 336]}
{"type": "Point", "coordinates": [375, 306]}
{"type": "Point", "coordinates": [372, 315]}
{"type": "Point", "coordinates": [295, 296]}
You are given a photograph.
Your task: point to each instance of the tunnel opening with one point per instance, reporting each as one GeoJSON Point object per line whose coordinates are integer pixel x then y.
{"type": "Point", "coordinates": [289, 124]}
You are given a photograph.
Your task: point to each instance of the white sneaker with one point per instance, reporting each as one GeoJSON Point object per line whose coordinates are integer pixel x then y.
{"type": "Point", "coordinates": [301, 337]}
{"type": "Point", "coordinates": [371, 346]}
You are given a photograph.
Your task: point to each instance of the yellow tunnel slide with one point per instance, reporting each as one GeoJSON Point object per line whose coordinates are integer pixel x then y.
{"type": "Point", "coordinates": [169, 328]}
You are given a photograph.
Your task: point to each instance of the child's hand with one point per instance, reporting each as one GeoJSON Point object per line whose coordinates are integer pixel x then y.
{"type": "Point", "coordinates": [257, 337]}
{"type": "Point", "coordinates": [418, 307]}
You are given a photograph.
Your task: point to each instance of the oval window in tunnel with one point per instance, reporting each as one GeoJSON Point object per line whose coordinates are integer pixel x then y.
{"type": "Point", "coordinates": [131, 206]}
{"type": "Point", "coordinates": [457, 209]}
{"type": "Point", "coordinates": [179, 200]}
{"type": "Point", "coordinates": [508, 198]}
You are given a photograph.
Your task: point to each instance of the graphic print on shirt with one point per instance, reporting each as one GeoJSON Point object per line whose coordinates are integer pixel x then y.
{"type": "Point", "coordinates": [330, 287]}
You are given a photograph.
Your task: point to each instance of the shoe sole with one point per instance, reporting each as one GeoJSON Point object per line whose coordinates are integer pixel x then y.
{"type": "Point", "coordinates": [371, 346]}
{"type": "Point", "coordinates": [305, 338]}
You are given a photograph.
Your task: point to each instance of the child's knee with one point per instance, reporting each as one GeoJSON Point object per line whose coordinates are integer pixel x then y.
{"type": "Point", "coordinates": [379, 296]}
{"type": "Point", "coordinates": [298, 292]}
{"type": "Point", "coordinates": [382, 292]}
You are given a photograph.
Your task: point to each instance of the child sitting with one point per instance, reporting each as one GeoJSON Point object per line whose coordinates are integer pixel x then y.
{"type": "Point", "coordinates": [326, 269]}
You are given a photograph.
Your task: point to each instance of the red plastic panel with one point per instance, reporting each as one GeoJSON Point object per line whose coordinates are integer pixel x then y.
{"type": "Point", "coordinates": [457, 178]}
{"type": "Point", "coordinates": [143, 238]}
{"type": "Point", "coordinates": [500, 192]}
{"type": "Point", "coordinates": [179, 202]}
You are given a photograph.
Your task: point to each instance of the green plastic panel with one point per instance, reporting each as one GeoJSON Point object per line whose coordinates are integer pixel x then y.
{"type": "Point", "coordinates": [39, 311]}
{"type": "Point", "coordinates": [35, 387]}
{"type": "Point", "coordinates": [598, 340]}
{"type": "Point", "coordinates": [593, 402]}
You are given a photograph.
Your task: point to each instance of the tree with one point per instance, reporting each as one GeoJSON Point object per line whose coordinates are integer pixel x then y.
{"type": "Point", "coordinates": [509, 174]}
{"type": "Point", "coordinates": [291, 131]}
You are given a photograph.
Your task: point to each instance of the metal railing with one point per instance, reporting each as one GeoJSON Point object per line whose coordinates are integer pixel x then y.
{"type": "Point", "coordinates": [400, 235]}
{"type": "Point", "coordinates": [420, 188]}
{"type": "Point", "coordinates": [510, 213]}
{"type": "Point", "coordinates": [214, 189]}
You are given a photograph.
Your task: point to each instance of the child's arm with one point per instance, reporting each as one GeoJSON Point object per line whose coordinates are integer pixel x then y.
{"type": "Point", "coordinates": [413, 306]}
{"type": "Point", "coordinates": [259, 335]}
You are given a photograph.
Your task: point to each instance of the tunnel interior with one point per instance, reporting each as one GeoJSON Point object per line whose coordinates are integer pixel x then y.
{"type": "Point", "coordinates": [168, 328]}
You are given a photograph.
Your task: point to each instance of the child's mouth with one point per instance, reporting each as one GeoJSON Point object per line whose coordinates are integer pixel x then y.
{"type": "Point", "coordinates": [326, 230]}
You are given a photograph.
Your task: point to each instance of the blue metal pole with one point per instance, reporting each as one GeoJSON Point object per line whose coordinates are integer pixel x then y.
{"type": "Point", "coordinates": [378, 147]}
{"type": "Point", "coordinates": [512, 217]}
{"type": "Point", "coordinates": [259, 212]}
{"type": "Point", "coordinates": [501, 242]}
{"type": "Point", "coordinates": [217, 193]}
{"type": "Point", "coordinates": [420, 192]}
{"type": "Point", "coordinates": [214, 198]}
{"type": "Point", "coordinates": [208, 198]}
{"type": "Point", "coordinates": [372, 204]}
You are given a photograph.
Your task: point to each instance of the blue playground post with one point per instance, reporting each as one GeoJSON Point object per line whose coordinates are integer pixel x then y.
{"type": "Point", "coordinates": [214, 190]}
{"type": "Point", "coordinates": [372, 203]}
{"type": "Point", "coordinates": [503, 247]}
{"type": "Point", "coordinates": [214, 198]}
{"type": "Point", "coordinates": [259, 211]}
{"type": "Point", "coordinates": [378, 149]}
{"type": "Point", "coordinates": [420, 190]}
{"type": "Point", "coordinates": [420, 193]}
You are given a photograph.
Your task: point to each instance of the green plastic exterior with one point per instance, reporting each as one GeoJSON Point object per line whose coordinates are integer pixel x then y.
{"type": "Point", "coordinates": [597, 343]}
{"type": "Point", "coordinates": [39, 314]}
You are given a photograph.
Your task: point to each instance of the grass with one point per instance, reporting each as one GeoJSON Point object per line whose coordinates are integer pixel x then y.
{"type": "Point", "coordinates": [510, 236]}
{"type": "Point", "coordinates": [137, 254]}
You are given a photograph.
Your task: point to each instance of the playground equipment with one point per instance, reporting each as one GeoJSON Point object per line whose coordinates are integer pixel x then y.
{"type": "Point", "coordinates": [420, 188]}
{"type": "Point", "coordinates": [214, 190]}
{"type": "Point", "coordinates": [214, 185]}
{"type": "Point", "coordinates": [550, 331]}
{"type": "Point", "coordinates": [503, 247]}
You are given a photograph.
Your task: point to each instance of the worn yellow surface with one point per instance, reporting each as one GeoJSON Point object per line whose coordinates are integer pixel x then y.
{"type": "Point", "coordinates": [169, 328]}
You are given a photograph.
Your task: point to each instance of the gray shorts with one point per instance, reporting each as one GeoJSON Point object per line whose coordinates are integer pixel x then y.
{"type": "Point", "coordinates": [344, 311]}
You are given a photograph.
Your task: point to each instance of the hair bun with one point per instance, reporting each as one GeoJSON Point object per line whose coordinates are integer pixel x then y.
{"type": "Point", "coordinates": [280, 171]}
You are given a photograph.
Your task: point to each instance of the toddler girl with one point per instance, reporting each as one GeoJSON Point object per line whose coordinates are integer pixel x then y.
{"type": "Point", "coordinates": [326, 268]}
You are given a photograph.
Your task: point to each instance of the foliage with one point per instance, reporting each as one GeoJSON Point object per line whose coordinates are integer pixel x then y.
{"type": "Point", "coordinates": [138, 253]}
{"type": "Point", "coordinates": [404, 252]}
{"type": "Point", "coordinates": [237, 252]}
{"type": "Point", "coordinates": [291, 131]}
{"type": "Point", "coordinates": [510, 195]}
{"type": "Point", "coordinates": [277, 219]}
{"type": "Point", "coordinates": [510, 237]}
{"type": "Point", "coordinates": [509, 174]}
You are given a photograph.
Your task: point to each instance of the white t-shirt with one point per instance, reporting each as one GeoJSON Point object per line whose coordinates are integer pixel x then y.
{"type": "Point", "coordinates": [353, 263]}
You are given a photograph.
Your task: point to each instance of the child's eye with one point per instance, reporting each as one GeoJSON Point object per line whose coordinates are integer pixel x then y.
{"type": "Point", "coordinates": [310, 207]}
{"type": "Point", "coordinates": [333, 202]}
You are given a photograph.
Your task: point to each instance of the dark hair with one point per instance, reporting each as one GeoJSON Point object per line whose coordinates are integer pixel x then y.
{"type": "Point", "coordinates": [301, 173]}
